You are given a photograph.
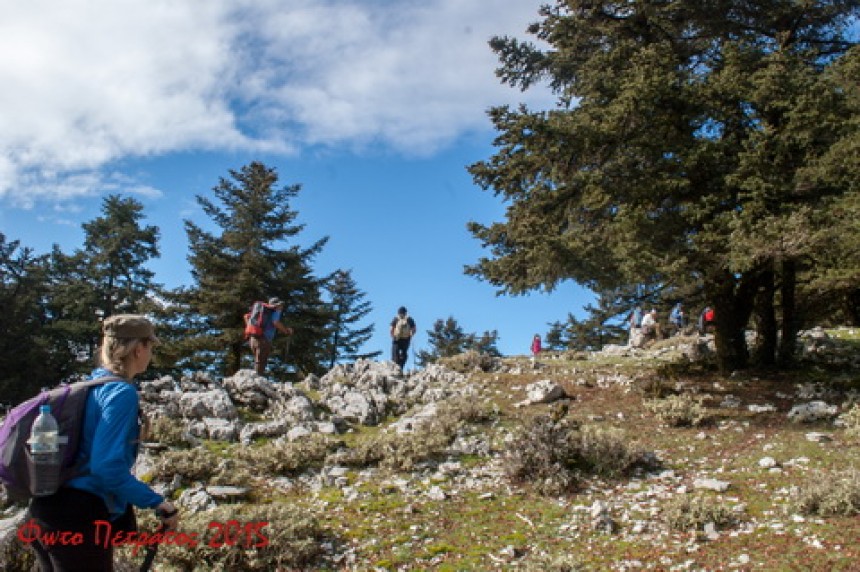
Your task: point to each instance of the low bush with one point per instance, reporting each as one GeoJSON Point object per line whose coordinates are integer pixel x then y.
{"type": "Point", "coordinates": [553, 455]}
{"type": "Point", "coordinates": [678, 410]}
{"type": "Point", "coordinates": [553, 563]}
{"type": "Point", "coordinates": [246, 537]}
{"type": "Point", "coordinates": [829, 494]}
{"type": "Point", "coordinates": [851, 418]}
{"type": "Point", "coordinates": [469, 361]}
{"type": "Point", "coordinates": [166, 431]}
{"type": "Point", "coordinates": [197, 464]}
{"type": "Point", "coordinates": [692, 512]}
{"type": "Point", "coordinates": [279, 458]}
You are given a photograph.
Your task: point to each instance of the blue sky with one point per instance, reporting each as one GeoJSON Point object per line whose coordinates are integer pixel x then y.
{"type": "Point", "coordinates": [374, 108]}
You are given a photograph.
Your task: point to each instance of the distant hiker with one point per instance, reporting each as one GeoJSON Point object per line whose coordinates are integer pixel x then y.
{"type": "Point", "coordinates": [650, 326]}
{"type": "Point", "coordinates": [260, 326]}
{"type": "Point", "coordinates": [106, 490]}
{"type": "Point", "coordinates": [634, 322]}
{"type": "Point", "coordinates": [402, 330]}
{"type": "Point", "coordinates": [536, 347]}
{"type": "Point", "coordinates": [706, 320]}
{"type": "Point", "coordinates": [677, 318]}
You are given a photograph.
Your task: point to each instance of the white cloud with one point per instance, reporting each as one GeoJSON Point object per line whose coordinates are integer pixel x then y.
{"type": "Point", "coordinates": [89, 82]}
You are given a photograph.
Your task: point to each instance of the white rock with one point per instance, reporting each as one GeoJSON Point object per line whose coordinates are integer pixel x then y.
{"type": "Point", "coordinates": [812, 411]}
{"type": "Point", "coordinates": [711, 485]}
{"type": "Point", "coordinates": [767, 462]}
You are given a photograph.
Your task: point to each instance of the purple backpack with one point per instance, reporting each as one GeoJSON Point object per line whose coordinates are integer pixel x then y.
{"type": "Point", "coordinates": [67, 406]}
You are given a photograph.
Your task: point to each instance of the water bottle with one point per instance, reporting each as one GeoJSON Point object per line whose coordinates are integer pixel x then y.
{"type": "Point", "coordinates": [45, 454]}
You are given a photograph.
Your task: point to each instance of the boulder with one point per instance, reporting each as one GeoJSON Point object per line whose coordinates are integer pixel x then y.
{"type": "Point", "coordinates": [545, 391]}
{"type": "Point", "coordinates": [214, 403]}
{"type": "Point", "coordinates": [812, 411]}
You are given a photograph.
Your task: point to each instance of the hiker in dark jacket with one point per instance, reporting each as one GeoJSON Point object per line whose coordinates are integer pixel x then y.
{"type": "Point", "coordinates": [106, 490]}
{"type": "Point", "coordinates": [402, 330]}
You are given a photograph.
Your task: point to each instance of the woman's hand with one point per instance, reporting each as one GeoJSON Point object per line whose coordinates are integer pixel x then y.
{"type": "Point", "coordinates": [168, 514]}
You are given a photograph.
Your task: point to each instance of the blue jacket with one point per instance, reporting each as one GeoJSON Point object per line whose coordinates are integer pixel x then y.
{"type": "Point", "coordinates": [269, 325]}
{"type": "Point", "coordinates": [108, 448]}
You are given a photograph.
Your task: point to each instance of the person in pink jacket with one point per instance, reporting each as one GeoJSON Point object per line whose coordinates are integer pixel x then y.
{"type": "Point", "coordinates": [536, 347]}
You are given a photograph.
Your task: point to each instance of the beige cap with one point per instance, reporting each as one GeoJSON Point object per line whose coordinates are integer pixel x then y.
{"type": "Point", "coordinates": [129, 326]}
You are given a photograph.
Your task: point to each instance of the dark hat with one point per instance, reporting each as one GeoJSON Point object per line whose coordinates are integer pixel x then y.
{"type": "Point", "coordinates": [402, 310]}
{"type": "Point", "coordinates": [129, 326]}
{"type": "Point", "coordinates": [276, 301]}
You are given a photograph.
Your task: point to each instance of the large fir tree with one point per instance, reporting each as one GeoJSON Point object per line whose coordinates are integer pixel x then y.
{"type": "Point", "coordinates": [254, 255]}
{"type": "Point", "coordinates": [107, 276]}
{"type": "Point", "coordinates": [689, 149]}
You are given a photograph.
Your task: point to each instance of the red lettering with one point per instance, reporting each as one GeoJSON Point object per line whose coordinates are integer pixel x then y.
{"type": "Point", "coordinates": [232, 526]}
{"type": "Point", "coordinates": [49, 538]}
{"type": "Point", "coordinates": [215, 541]}
{"type": "Point", "coordinates": [29, 532]}
{"type": "Point", "coordinates": [99, 525]}
{"type": "Point", "coordinates": [189, 540]}
{"type": "Point", "coordinates": [254, 535]}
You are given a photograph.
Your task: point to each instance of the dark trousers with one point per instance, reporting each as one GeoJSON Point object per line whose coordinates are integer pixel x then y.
{"type": "Point", "coordinates": [400, 351]}
{"type": "Point", "coordinates": [75, 511]}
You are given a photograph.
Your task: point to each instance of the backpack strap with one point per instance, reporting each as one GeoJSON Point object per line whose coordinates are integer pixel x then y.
{"type": "Point", "coordinates": [90, 383]}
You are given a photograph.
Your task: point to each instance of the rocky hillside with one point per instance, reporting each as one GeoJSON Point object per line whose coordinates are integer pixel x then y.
{"type": "Point", "coordinates": [624, 459]}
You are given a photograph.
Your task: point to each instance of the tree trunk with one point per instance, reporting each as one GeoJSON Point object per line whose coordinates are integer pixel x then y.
{"type": "Point", "coordinates": [788, 345]}
{"type": "Point", "coordinates": [852, 307]}
{"type": "Point", "coordinates": [765, 321]}
{"type": "Point", "coordinates": [334, 344]}
{"type": "Point", "coordinates": [234, 358]}
{"type": "Point", "coordinates": [733, 303]}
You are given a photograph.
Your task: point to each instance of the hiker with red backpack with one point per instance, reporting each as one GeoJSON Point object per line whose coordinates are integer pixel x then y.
{"type": "Point", "coordinates": [105, 488]}
{"type": "Point", "coordinates": [261, 324]}
{"type": "Point", "coordinates": [706, 320]}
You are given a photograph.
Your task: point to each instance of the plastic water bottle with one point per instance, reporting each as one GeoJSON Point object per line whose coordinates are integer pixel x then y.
{"type": "Point", "coordinates": [45, 453]}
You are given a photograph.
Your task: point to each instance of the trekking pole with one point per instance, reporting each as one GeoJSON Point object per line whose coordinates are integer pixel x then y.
{"type": "Point", "coordinates": [152, 550]}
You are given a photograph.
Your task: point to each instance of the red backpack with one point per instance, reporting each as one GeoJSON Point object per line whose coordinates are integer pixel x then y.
{"type": "Point", "coordinates": [255, 320]}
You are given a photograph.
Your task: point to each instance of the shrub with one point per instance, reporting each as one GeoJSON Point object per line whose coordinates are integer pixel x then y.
{"type": "Point", "coordinates": [287, 458]}
{"type": "Point", "coordinates": [678, 410]}
{"type": "Point", "coordinates": [852, 422]}
{"type": "Point", "coordinates": [196, 464]}
{"type": "Point", "coordinates": [693, 512]}
{"type": "Point", "coordinates": [469, 361]}
{"type": "Point", "coordinates": [14, 556]}
{"type": "Point", "coordinates": [294, 540]}
{"type": "Point", "coordinates": [654, 387]}
{"type": "Point", "coordinates": [834, 494]}
{"type": "Point", "coordinates": [553, 563]}
{"type": "Point", "coordinates": [553, 455]}
{"type": "Point", "coordinates": [166, 431]}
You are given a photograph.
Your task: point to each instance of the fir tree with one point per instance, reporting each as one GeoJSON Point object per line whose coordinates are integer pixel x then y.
{"type": "Point", "coordinates": [447, 338]}
{"type": "Point", "coordinates": [26, 359]}
{"type": "Point", "coordinates": [107, 276]}
{"type": "Point", "coordinates": [253, 256]}
{"type": "Point", "coordinates": [690, 149]}
{"type": "Point", "coordinates": [348, 309]}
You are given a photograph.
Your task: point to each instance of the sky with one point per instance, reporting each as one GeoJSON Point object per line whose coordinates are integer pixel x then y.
{"type": "Point", "coordinates": [375, 108]}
